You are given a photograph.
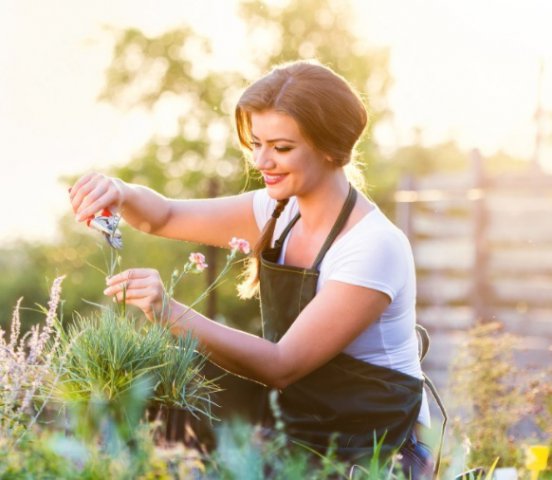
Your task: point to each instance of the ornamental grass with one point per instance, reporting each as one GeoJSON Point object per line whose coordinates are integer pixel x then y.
{"type": "Point", "coordinates": [111, 357]}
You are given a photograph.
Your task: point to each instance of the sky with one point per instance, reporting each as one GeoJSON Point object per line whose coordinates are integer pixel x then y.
{"type": "Point", "coordinates": [463, 70]}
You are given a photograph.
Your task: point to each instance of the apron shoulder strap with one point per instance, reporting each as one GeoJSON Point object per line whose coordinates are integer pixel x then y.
{"type": "Point", "coordinates": [338, 226]}
{"type": "Point", "coordinates": [280, 241]}
{"type": "Point", "coordinates": [334, 232]}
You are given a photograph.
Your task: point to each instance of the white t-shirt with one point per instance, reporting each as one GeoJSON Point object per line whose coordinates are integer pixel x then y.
{"type": "Point", "coordinates": [375, 254]}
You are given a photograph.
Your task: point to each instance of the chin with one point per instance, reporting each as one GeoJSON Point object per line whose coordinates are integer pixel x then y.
{"type": "Point", "coordinates": [278, 193]}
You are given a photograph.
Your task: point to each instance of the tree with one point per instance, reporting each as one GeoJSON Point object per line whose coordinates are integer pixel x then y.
{"type": "Point", "coordinates": [202, 157]}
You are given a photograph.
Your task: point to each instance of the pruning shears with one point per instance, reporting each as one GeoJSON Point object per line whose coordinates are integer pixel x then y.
{"type": "Point", "coordinates": [107, 223]}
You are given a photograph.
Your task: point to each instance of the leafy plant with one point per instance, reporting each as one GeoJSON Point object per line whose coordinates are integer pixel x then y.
{"type": "Point", "coordinates": [113, 357]}
{"type": "Point", "coordinates": [48, 455]}
{"type": "Point", "coordinates": [487, 396]}
{"type": "Point", "coordinates": [250, 452]}
{"type": "Point", "coordinates": [244, 452]}
{"type": "Point", "coordinates": [539, 401]}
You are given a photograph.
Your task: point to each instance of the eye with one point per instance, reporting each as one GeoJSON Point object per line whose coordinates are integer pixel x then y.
{"type": "Point", "coordinates": [255, 145]}
{"type": "Point", "coordinates": [283, 149]}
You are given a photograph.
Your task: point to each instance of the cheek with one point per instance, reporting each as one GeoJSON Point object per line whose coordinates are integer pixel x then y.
{"type": "Point", "coordinates": [314, 164]}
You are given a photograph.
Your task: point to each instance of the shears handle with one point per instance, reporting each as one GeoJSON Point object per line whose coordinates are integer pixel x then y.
{"type": "Point", "coordinates": [105, 213]}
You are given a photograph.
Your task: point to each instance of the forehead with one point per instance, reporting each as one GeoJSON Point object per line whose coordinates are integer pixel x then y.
{"type": "Point", "coordinates": [269, 124]}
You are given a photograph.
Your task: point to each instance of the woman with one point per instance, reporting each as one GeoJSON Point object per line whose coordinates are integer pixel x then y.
{"type": "Point", "coordinates": [336, 277]}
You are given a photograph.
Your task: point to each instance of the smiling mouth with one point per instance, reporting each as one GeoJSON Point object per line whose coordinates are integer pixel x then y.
{"type": "Point", "coordinates": [272, 179]}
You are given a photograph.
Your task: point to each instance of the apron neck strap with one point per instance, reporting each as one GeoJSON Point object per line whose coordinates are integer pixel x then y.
{"type": "Point", "coordinates": [338, 226]}
{"type": "Point", "coordinates": [280, 242]}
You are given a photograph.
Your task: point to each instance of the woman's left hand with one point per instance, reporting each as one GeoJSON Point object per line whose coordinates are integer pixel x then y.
{"type": "Point", "coordinates": [141, 287]}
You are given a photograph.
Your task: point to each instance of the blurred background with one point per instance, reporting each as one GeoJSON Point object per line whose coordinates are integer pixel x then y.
{"type": "Point", "coordinates": [458, 151]}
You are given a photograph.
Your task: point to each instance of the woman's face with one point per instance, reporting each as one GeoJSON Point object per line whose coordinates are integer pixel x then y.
{"type": "Point", "coordinates": [287, 161]}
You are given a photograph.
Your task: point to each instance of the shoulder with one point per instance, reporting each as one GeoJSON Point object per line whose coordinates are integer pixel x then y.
{"type": "Point", "coordinates": [374, 233]}
{"type": "Point", "coordinates": [374, 253]}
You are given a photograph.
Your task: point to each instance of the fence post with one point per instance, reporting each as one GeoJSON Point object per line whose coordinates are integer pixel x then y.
{"type": "Point", "coordinates": [404, 206]}
{"type": "Point", "coordinates": [480, 289]}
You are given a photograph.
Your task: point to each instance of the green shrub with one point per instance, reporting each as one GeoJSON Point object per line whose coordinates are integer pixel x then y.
{"type": "Point", "coordinates": [488, 396]}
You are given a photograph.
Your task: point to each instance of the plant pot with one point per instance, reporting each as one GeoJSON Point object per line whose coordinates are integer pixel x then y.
{"type": "Point", "coordinates": [237, 398]}
{"type": "Point", "coordinates": [177, 425]}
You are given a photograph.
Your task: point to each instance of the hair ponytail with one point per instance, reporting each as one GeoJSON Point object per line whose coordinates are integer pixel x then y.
{"type": "Point", "coordinates": [249, 287]}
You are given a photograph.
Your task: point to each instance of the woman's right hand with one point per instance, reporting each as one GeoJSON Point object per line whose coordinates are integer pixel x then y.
{"type": "Point", "coordinates": [94, 192]}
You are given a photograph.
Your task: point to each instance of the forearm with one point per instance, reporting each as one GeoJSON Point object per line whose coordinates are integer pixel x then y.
{"type": "Point", "coordinates": [143, 208]}
{"type": "Point", "coordinates": [234, 350]}
{"type": "Point", "coordinates": [212, 221]}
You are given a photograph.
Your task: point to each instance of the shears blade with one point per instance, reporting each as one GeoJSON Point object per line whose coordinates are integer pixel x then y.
{"type": "Point", "coordinates": [107, 224]}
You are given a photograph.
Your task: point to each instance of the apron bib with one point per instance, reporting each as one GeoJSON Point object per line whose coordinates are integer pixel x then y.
{"type": "Point", "coordinates": [346, 400]}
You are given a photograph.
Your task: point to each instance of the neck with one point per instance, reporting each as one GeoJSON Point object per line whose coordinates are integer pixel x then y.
{"type": "Point", "coordinates": [320, 207]}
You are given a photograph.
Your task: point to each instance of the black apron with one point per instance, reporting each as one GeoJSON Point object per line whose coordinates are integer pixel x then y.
{"type": "Point", "coordinates": [348, 400]}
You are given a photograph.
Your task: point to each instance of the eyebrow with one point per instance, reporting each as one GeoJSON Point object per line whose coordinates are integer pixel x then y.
{"type": "Point", "coordinates": [273, 140]}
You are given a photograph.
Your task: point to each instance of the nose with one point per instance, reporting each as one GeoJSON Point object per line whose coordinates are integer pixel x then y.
{"type": "Point", "coordinates": [263, 158]}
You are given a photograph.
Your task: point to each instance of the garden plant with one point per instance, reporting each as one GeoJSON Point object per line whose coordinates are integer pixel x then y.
{"type": "Point", "coordinates": [74, 397]}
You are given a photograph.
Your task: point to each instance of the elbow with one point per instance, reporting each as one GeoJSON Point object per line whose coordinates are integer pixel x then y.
{"type": "Point", "coordinates": [284, 377]}
{"type": "Point", "coordinates": [284, 371]}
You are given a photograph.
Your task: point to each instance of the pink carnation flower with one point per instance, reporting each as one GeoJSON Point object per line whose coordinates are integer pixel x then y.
{"type": "Point", "coordinates": [240, 245]}
{"type": "Point", "coordinates": [198, 261]}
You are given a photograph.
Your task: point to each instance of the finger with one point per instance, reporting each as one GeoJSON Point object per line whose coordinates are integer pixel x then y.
{"type": "Point", "coordinates": [79, 183]}
{"type": "Point", "coordinates": [148, 308]}
{"type": "Point", "coordinates": [128, 286]}
{"type": "Point", "coordinates": [122, 277]}
{"type": "Point", "coordinates": [92, 196]}
{"type": "Point", "coordinates": [98, 198]}
{"type": "Point", "coordinates": [131, 273]}
{"type": "Point", "coordinates": [82, 192]}
{"type": "Point", "coordinates": [150, 295]}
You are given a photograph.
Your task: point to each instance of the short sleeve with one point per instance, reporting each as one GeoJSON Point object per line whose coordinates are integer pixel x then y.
{"type": "Point", "coordinates": [263, 206]}
{"type": "Point", "coordinates": [379, 259]}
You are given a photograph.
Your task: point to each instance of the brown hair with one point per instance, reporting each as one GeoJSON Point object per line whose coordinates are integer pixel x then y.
{"type": "Point", "coordinates": [330, 115]}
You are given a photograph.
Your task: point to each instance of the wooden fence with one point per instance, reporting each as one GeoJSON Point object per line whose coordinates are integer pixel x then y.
{"type": "Point", "coordinates": [483, 250]}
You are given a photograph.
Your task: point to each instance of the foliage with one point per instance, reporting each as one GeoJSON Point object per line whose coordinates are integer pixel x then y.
{"type": "Point", "coordinates": [255, 453]}
{"type": "Point", "coordinates": [246, 452]}
{"type": "Point", "coordinates": [200, 159]}
{"type": "Point", "coordinates": [539, 397]}
{"type": "Point", "coordinates": [111, 357]}
{"type": "Point", "coordinates": [32, 459]}
{"type": "Point", "coordinates": [539, 406]}
{"type": "Point", "coordinates": [241, 454]}
{"type": "Point", "coordinates": [52, 455]}
{"type": "Point", "coordinates": [484, 385]}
